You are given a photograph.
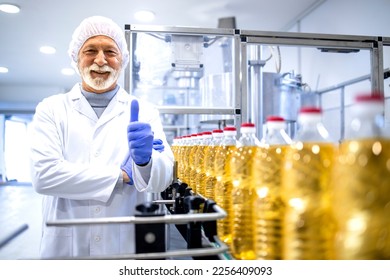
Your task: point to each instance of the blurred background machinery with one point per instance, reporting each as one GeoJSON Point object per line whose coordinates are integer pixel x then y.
{"type": "Point", "coordinates": [203, 78]}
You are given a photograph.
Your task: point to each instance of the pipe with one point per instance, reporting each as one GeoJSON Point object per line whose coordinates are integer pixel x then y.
{"type": "Point", "coordinates": [219, 249]}
{"type": "Point", "coordinates": [168, 219]}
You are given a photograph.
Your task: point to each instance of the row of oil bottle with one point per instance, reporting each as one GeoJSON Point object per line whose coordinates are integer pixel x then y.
{"type": "Point", "coordinates": [303, 198]}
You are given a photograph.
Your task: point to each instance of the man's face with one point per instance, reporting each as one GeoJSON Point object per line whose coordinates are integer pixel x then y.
{"type": "Point", "coordinates": [100, 64]}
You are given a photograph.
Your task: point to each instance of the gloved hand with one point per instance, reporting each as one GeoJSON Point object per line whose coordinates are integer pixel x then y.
{"type": "Point", "coordinates": [126, 164]}
{"type": "Point", "coordinates": [158, 145]}
{"type": "Point", "coordinates": [140, 137]}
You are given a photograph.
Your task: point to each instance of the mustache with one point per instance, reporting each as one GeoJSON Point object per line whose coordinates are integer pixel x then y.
{"type": "Point", "coordinates": [104, 68]}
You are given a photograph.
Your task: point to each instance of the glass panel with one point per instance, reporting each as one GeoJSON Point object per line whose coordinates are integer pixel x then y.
{"type": "Point", "coordinates": [293, 76]}
{"type": "Point", "coordinates": [183, 70]}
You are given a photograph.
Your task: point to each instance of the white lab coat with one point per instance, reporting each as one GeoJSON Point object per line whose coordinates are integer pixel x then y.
{"type": "Point", "coordinates": [76, 160]}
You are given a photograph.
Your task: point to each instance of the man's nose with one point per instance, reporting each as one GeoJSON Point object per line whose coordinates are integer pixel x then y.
{"type": "Point", "coordinates": [100, 58]}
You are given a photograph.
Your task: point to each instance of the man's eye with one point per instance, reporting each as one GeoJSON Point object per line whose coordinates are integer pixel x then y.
{"type": "Point", "coordinates": [111, 53]}
{"type": "Point", "coordinates": [90, 51]}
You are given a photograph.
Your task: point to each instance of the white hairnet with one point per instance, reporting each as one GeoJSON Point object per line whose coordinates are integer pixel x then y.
{"type": "Point", "coordinates": [94, 26]}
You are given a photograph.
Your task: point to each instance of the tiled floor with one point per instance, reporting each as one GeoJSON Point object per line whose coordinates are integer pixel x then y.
{"type": "Point", "coordinates": [20, 206]}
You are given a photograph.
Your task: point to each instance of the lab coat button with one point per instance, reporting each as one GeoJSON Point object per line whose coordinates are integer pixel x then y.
{"type": "Point", "coordinates": [97, 238]}
{"type": "Point", "coordinates": [97, 209]}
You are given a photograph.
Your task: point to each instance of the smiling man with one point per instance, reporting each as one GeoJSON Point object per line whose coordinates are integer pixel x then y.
{"type": "Point", "coordinates": [99, 64]}
{"type": "Point", "coordinates": [96, 150]}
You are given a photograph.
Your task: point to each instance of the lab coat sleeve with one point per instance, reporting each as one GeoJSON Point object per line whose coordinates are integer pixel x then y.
{"type": "Point", "coordinates": [52, 175]}
{"type": "Point", "coordinates": [160, 174]}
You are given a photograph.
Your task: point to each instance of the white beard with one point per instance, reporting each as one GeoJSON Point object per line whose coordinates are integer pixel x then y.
{"type": "Point", "coordinates": [99, 83]}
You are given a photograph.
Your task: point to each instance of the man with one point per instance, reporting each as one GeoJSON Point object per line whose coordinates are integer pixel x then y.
{"type": "Point", "coordinates": [94, 150]}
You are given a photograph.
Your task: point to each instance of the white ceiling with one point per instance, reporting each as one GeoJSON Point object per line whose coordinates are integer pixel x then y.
{"type": "Point", "coordinates": [49, 22]}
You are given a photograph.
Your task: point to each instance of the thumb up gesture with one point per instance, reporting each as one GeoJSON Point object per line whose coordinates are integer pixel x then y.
{"type": "Point", "coordinates": [139, 136]}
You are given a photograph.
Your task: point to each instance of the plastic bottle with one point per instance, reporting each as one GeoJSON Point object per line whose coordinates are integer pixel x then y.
{"type": "Point", "coordinates": [268, 207]}
{"type": "Point", "coordinates": [183, 160]}
{"type": "Point", "coordinates": [223, 185]}
{"type": "Point", "coordinates": [362, 185]}
{"type": "Point", "coordinates": [176, 150]}
{"type": "Point", "coordinates": [191, 142]}
{"type": "Point", "coordinates": [175, 147]}
{"type": "Point", "coordinates": [242, 210]}
{"type": "Point", "coordinates": [308, 227]}
{"type": "Point", "coordinates": [199, 162]}
{"type": "Point", "coordinates": [196, 139]}
{"type": "Point", "coordinates": [209, 160]}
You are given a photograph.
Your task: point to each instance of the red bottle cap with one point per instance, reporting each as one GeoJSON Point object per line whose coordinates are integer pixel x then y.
{"type": "Point", "coordinates": [370, 97]}
{"type": "Point", "coordinates": [248, 125]}
{"type": "Point", "coordinates": [310, 110]}
{"type": "Point", "coordinates": [275, 119]}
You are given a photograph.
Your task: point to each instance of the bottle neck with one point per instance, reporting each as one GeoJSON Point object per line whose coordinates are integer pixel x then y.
{"type": "Point", "coordinates": [276, 136]}
{"type": "Point", "coordinates": [207, 139]}
{"type": "Point", "coordinates": [217, 140]}
{"type": "Point", "coordinates": [312, 130]}
{"type": "Point", "coordinates": [229, 139]}
{"type": "Point", "coordinates": [248, 139]}
{"type": "Point", "coordinates": [367, 119]}
{"type": "Point", "coordinates": [365, 126]}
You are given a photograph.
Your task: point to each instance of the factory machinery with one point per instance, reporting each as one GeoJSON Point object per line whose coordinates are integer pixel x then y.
{"type": "Point", "coordinates": [201, 79]}
{"type": "Point", "coordinates": [194, 216]}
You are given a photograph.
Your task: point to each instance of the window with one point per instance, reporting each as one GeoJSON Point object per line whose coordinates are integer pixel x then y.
{"type": "Point", "coordinates": [16, 151]}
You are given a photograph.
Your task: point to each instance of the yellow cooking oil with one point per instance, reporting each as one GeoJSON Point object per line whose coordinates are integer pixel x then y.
{"type": "Point", "coordinates": [223, 187]}
{"type": "Point", "coordinates": [241, 218]}
{"type": "Point", "coordinates": [185, 160]}
{"type": "Point", "coordinates": [200, 163]}
{"type": "Point", "coordinates": [177, 149]}
{"type": "Point", "coordinates": [362, 199]}
{"type": "Point", "coordinates": [268, 207]}
{"type": "Point", "coordinates": [192, 170]}
{"type": "Point", "coordinates": [192, 158]}
{"type": "Point", "coordinates": [209, 180]}
{"type": "Point", "coordinates": [308, 227]}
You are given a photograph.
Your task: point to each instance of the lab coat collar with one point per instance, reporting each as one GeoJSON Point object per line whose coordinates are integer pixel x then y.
{"type": "Point", "coordinates": [116, 107]}
{"type": "Point", "coordinates": [81, 105]}
{"type": "Point", "coordinates": [75, 93]}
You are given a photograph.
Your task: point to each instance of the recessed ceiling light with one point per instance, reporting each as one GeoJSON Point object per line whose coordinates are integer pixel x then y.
{"type": "Point", "coordinates": [144, 16]}
{"type": "Point", "coordinates": [3, 69]}
{"type": "Point", "coordinates": [67, 71]}
{"type": "Point", "coordinates": [9, 8]}
{"type": "Point", "coordinates": [47, 50]}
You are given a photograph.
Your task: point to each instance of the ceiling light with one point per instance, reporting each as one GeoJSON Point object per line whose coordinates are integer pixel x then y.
{"type": "Point", "coordinates": [144, 16]}
{"type": "Point", "coordinates": [3, 69]}
{"type": "Point", "coordinates": [9, 8]}
{"type": "Point", "coordinates": [47, 50]}
{"type": "Point", "coordinates": [67, 71]}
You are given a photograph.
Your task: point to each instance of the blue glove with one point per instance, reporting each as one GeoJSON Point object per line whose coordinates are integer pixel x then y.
{"type": "Point", "coordinates": [158, 145]}
{"type": "Point", "coordinates": [140, 137]}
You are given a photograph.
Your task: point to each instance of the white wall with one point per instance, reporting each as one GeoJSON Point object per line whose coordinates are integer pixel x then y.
{"type": "Point", "coordinates": [353, 17]}
{"type": "Point", "coordinates": [345, 17]}
{"type": "Point", "coordinates": [24, 98]}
